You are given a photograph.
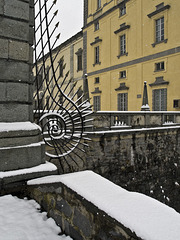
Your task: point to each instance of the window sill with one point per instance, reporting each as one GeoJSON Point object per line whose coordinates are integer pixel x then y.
{"type": "Point", "coordinates": [99, 63]}
{"type": "Point", "coordinates": [161, 70]}
{"type": "Point", "coordinates": [121, 55]}
{"type": "Point", "coordinates": [156, 43]}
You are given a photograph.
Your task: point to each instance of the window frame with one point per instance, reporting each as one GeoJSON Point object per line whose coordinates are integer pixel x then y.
{"type": "Point", "coordinates": [79, 62]}
{"type": "Point", "coordinates": [122, 40]}
{"type": "Point", "coordinates": [122, 75]}
{"type": "Point", "coordinates": [97, 55]}
{"type": "Point", "coordinates": [162, 95]}
{"type": "Point", "coordinates": [61, 68]}
{"type": "Point", "coordinates": [97, 103]}
{"type": "Point", "coordinates": [96, 80]}
{"type": "Point", "coordinates": [159, 30]}
{"type": "Point", "coordinates": [159, 66]}
{"type": "Point", "coordinates": [122, 10]}
{"type": "Point", "coordinates": [122, 101]}
{"type": "Point", "coordinates": [96, 26]}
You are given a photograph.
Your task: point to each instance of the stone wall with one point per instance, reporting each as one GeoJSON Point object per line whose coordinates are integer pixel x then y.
{"type": "Point", "coordinates": [76, 216]}
{"type": "Point", "coordinates": [146, 161]}
{"type": "Point", "coordinates": [16, 39]}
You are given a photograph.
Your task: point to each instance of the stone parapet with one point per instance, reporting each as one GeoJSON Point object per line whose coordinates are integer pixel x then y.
{"type": "Point", "coordinates": [76, 216]}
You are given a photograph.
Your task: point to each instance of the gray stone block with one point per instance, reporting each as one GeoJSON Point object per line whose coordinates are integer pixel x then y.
{"type": "Point", "coordinates": [31, 36]}
{"type": "Point", "coordinates": [1, 6]}
{"type": "Point", "coordinates": [16, 9]}
{"type": "Point", "coordinates": [30, 55]}
{"type": "Point", "coordinates": [14, 112]}
{"type": "Point", "coordinates": [10, 92]}
{"type": "Point", "coordinates": [31, 3]}
{"type": "Point", "coordinates": [31, 17]}
{"type": "Point", "coordinates": [64, 207]}
{"type": "Point", "coordinates": [17, 141]}
{"type": "Point", "coordinates": [14, 29]}
{"type": "Point", "coordinates": [74, 234]}
{"type": "Point", "coordinates": [20, 157]}
{"type": "Point", "coordinates": [2, 91]}
{"type": "Point", "coordinates": [19, 51]}
{"type": "Point", "coordinates": [3, 48]}
{"type": "Point", "coordinates": [14, 71]}
{"type": "Point", "coordinates": [82, 223]}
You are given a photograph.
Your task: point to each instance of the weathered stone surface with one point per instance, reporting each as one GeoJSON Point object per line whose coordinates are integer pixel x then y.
{"type": "Point", "coordinates": [19, 51]}
{"type": "Point", "coordinates": [14, 71]}
{"type": "Point", "coordinates": [82, 223]}
{"type": "Point", "coordinates": [1, 6]}
{"type": "Point", "coordinates": [18, 141]}
{"type": "Point", "coordinates": [20, 157]}
{"type": "Point", "coordinates": [74, 234]}
{"type": "Point", "coordinates": [14, 92]}
{"type": "Point", "coordinates": [16, 9]}
{"type": "Point", "coordinates": [15, 112]}
{"type": "Point", "coordinates": [3, 48]}
{"type": "Point", "coordinates": [64, 207]}
{"type": "Point", "coordinates": [13, 29]}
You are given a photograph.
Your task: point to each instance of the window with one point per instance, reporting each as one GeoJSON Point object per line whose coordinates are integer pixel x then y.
{"type": "Point", "coordinates": [79, 62]}
{"type": "Point", "coordinates": [122, 101]}
{"type": "Point", "coordinates": [96, 80]}
{"type": "Point", "coordinates": [122, 10]}
{"type": "Point", "coordinates": [98, 4]}
{"type": "Point", "coordinates": [122, 74]}
{"type": "Point", "coordinates": [61, 67]}
{"type": "Point", "coordinates": [176, 103]}
{"type": "Point", "coordinates": [160, 99]}
{"type": "Point", "coordinates": [96, 26]}
{"type": "Point", "coordinates": [97, 55]}
{"type": "Point", "coordinates": [79, 54]}
{"type": "Point", "coordinates": [160, 29]}
{"type": "Point", "coordinates": [122, 44]}
{"type": "Point", "coordinates": [159, 66]}
{"type": "Point", "coordinates": [97, 103]}
{"type": "Point", "coordinates": [47, 73]}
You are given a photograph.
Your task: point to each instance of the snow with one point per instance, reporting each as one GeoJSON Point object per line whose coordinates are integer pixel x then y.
{"type": "Point", "coordinates": [24, 146]}
{"type": "Point", "coordinates": [20, 219]}
{"type": "Point", "coordinates": [18, 126]}
{"type": "Point", "coordinates": [147, 217]}
{"type": "Point", "coordinates": [133, 130]}
{"type": "Point", "coordinates": [40, 168]}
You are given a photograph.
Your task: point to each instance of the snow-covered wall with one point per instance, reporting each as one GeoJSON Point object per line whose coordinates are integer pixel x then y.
{"type": "Point", "coordinates": [143, 160]}
{"type": "Point", "coordinates": [88, 206]}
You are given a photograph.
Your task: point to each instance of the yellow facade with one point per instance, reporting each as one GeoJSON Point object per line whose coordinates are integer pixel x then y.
{"type": "Point", "coordinates": [65, 60]}
{"type": "Point", "coordinates": [129, 42]}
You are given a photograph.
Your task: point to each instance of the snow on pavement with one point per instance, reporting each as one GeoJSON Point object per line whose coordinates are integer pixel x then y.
{"type": "Point", "coordinates": [147, 217]}
{"type": "Point", "coordinates": [20, 219]}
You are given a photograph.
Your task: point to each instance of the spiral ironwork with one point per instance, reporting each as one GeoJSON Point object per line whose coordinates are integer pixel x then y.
{"type": "Point", "coordinates": [59, 109]}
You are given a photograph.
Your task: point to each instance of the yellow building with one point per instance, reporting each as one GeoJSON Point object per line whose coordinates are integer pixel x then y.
{"type": "Point", "coordinates": [67, 57]}
{"type": "Point", "coordinates": [127, 42]}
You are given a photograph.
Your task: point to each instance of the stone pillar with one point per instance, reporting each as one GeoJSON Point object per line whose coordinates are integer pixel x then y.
{"type": "Point", "coordinates": [20, 142]}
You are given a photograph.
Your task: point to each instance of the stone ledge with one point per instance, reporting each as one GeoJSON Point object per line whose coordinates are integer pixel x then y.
{"type": "Point", "coordinates": [11, 180]}
{"type": "Point", "coordinates": [19, 157]}
{"type": "Point", "coordinates": [18, 129]}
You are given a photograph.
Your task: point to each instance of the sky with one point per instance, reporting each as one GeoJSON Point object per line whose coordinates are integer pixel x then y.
{"type": "Point", "coordinates": [70, 15]}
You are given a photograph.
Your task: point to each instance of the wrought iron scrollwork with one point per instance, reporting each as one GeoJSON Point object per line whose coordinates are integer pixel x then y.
{"type": "Point", "coordinates": [60, 109]}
